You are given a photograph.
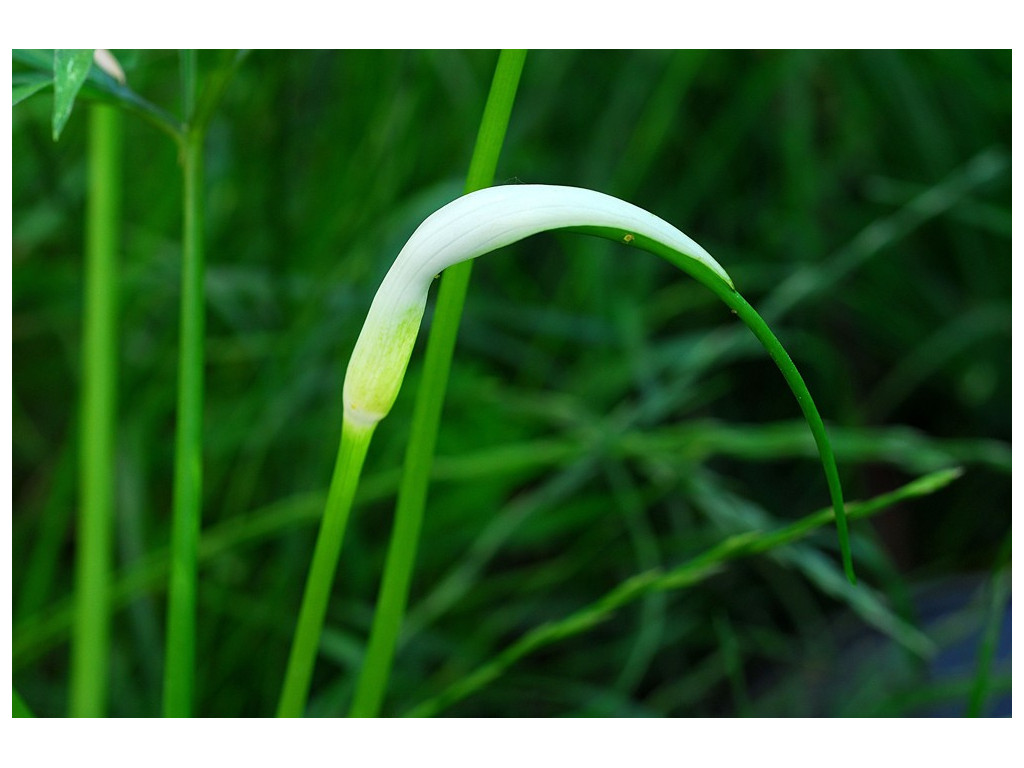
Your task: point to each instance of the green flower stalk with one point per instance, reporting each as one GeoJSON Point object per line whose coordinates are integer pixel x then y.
{"type": "Point", "coordinates": [492, 218]}
{"type": "Point", "coordinates": [466, 228]}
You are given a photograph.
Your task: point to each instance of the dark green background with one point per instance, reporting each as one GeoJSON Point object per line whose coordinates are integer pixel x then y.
{"type": "Point", "coordinates": [604, 408]}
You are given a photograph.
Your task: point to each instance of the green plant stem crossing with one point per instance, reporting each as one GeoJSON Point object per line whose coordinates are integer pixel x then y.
{"type": "Point", "coordinates": [412, 493]}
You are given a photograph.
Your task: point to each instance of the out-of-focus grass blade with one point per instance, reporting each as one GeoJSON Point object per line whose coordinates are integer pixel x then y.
{"type": "Point", "coordinates": [999, 593]}
{"type": "Point", "coordinates": [655, 124]}
{"type": "Point", "coordinates": [35, 58]}
{"type": "Point", "coordinates": [651, 622]}
{"type": "Point", "coordinates": [41, 632]}
{"type": "Point", "coordinates": [903, 447]}
{"type": "Point", "coordinates": [19, 708]}
{"type": "Point", "coordinates": [35, 582]}
{"type": "Point", "coordinates": [687, 574]}
{"type": "Point", "coordinates": [737, 514]}
{"type": "Point", "coordinates": [685, 692]}
{"type": "Point", "coordinates": [732, 660]}
{"type": "Point", "coordinates": [956, 337]}
{"type": "Point", "coordinates": [36, 633]}
{"type": "Point", "coordinates": [971, 211]}
{"type": "Point", "coordinates": [70, 68]}
{"type": "Point", "coordinates": [816, 279]}
{"type": "Point", "coordinates": [23, 86]}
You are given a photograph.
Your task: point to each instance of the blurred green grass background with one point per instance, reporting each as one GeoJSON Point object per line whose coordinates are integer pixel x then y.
{"type": "Point", "coordinates": [604, 415]}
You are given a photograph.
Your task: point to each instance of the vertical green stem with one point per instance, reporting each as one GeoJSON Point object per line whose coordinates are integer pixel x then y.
{"type": "Point", "coordinates": [179, 661]}
{"type": "Point", "coordinates": [412, 493]}
{"type": "Point", "coordinates": [355, 440]}
{"type": "Point", "coordinates": [90, 642]}
{"type": "Point", "coordinates": [494, 123]}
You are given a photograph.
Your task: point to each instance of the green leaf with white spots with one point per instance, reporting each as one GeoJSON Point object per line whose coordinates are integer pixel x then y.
{"type": "Point", "coordinates": [70, 68]}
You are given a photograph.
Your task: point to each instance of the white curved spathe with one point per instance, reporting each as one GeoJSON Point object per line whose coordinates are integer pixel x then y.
{"type": "Point", "coordinates": [471, 226]}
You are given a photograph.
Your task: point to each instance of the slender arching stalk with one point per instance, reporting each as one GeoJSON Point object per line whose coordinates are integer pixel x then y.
{"type": "Point", "coordinates": [90, 646]}
{"type": "Point", "coordinates": [785, 364]}
{"type": "Point", "coordinates": [475, 224]}
{"type": "Point", "coordinates": [490, 219]}
{"type": "Point", "coordinates": [479, 223]}
{"type": "Point", "coordinates": [731, 297]}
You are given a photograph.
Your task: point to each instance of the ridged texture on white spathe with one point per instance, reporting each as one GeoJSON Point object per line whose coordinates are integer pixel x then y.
{"type": "Point", "coordinates": [468, 227]}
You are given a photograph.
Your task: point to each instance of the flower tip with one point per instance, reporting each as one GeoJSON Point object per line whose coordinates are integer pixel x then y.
{"type": "Point", "coordinates": [105, 60]}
